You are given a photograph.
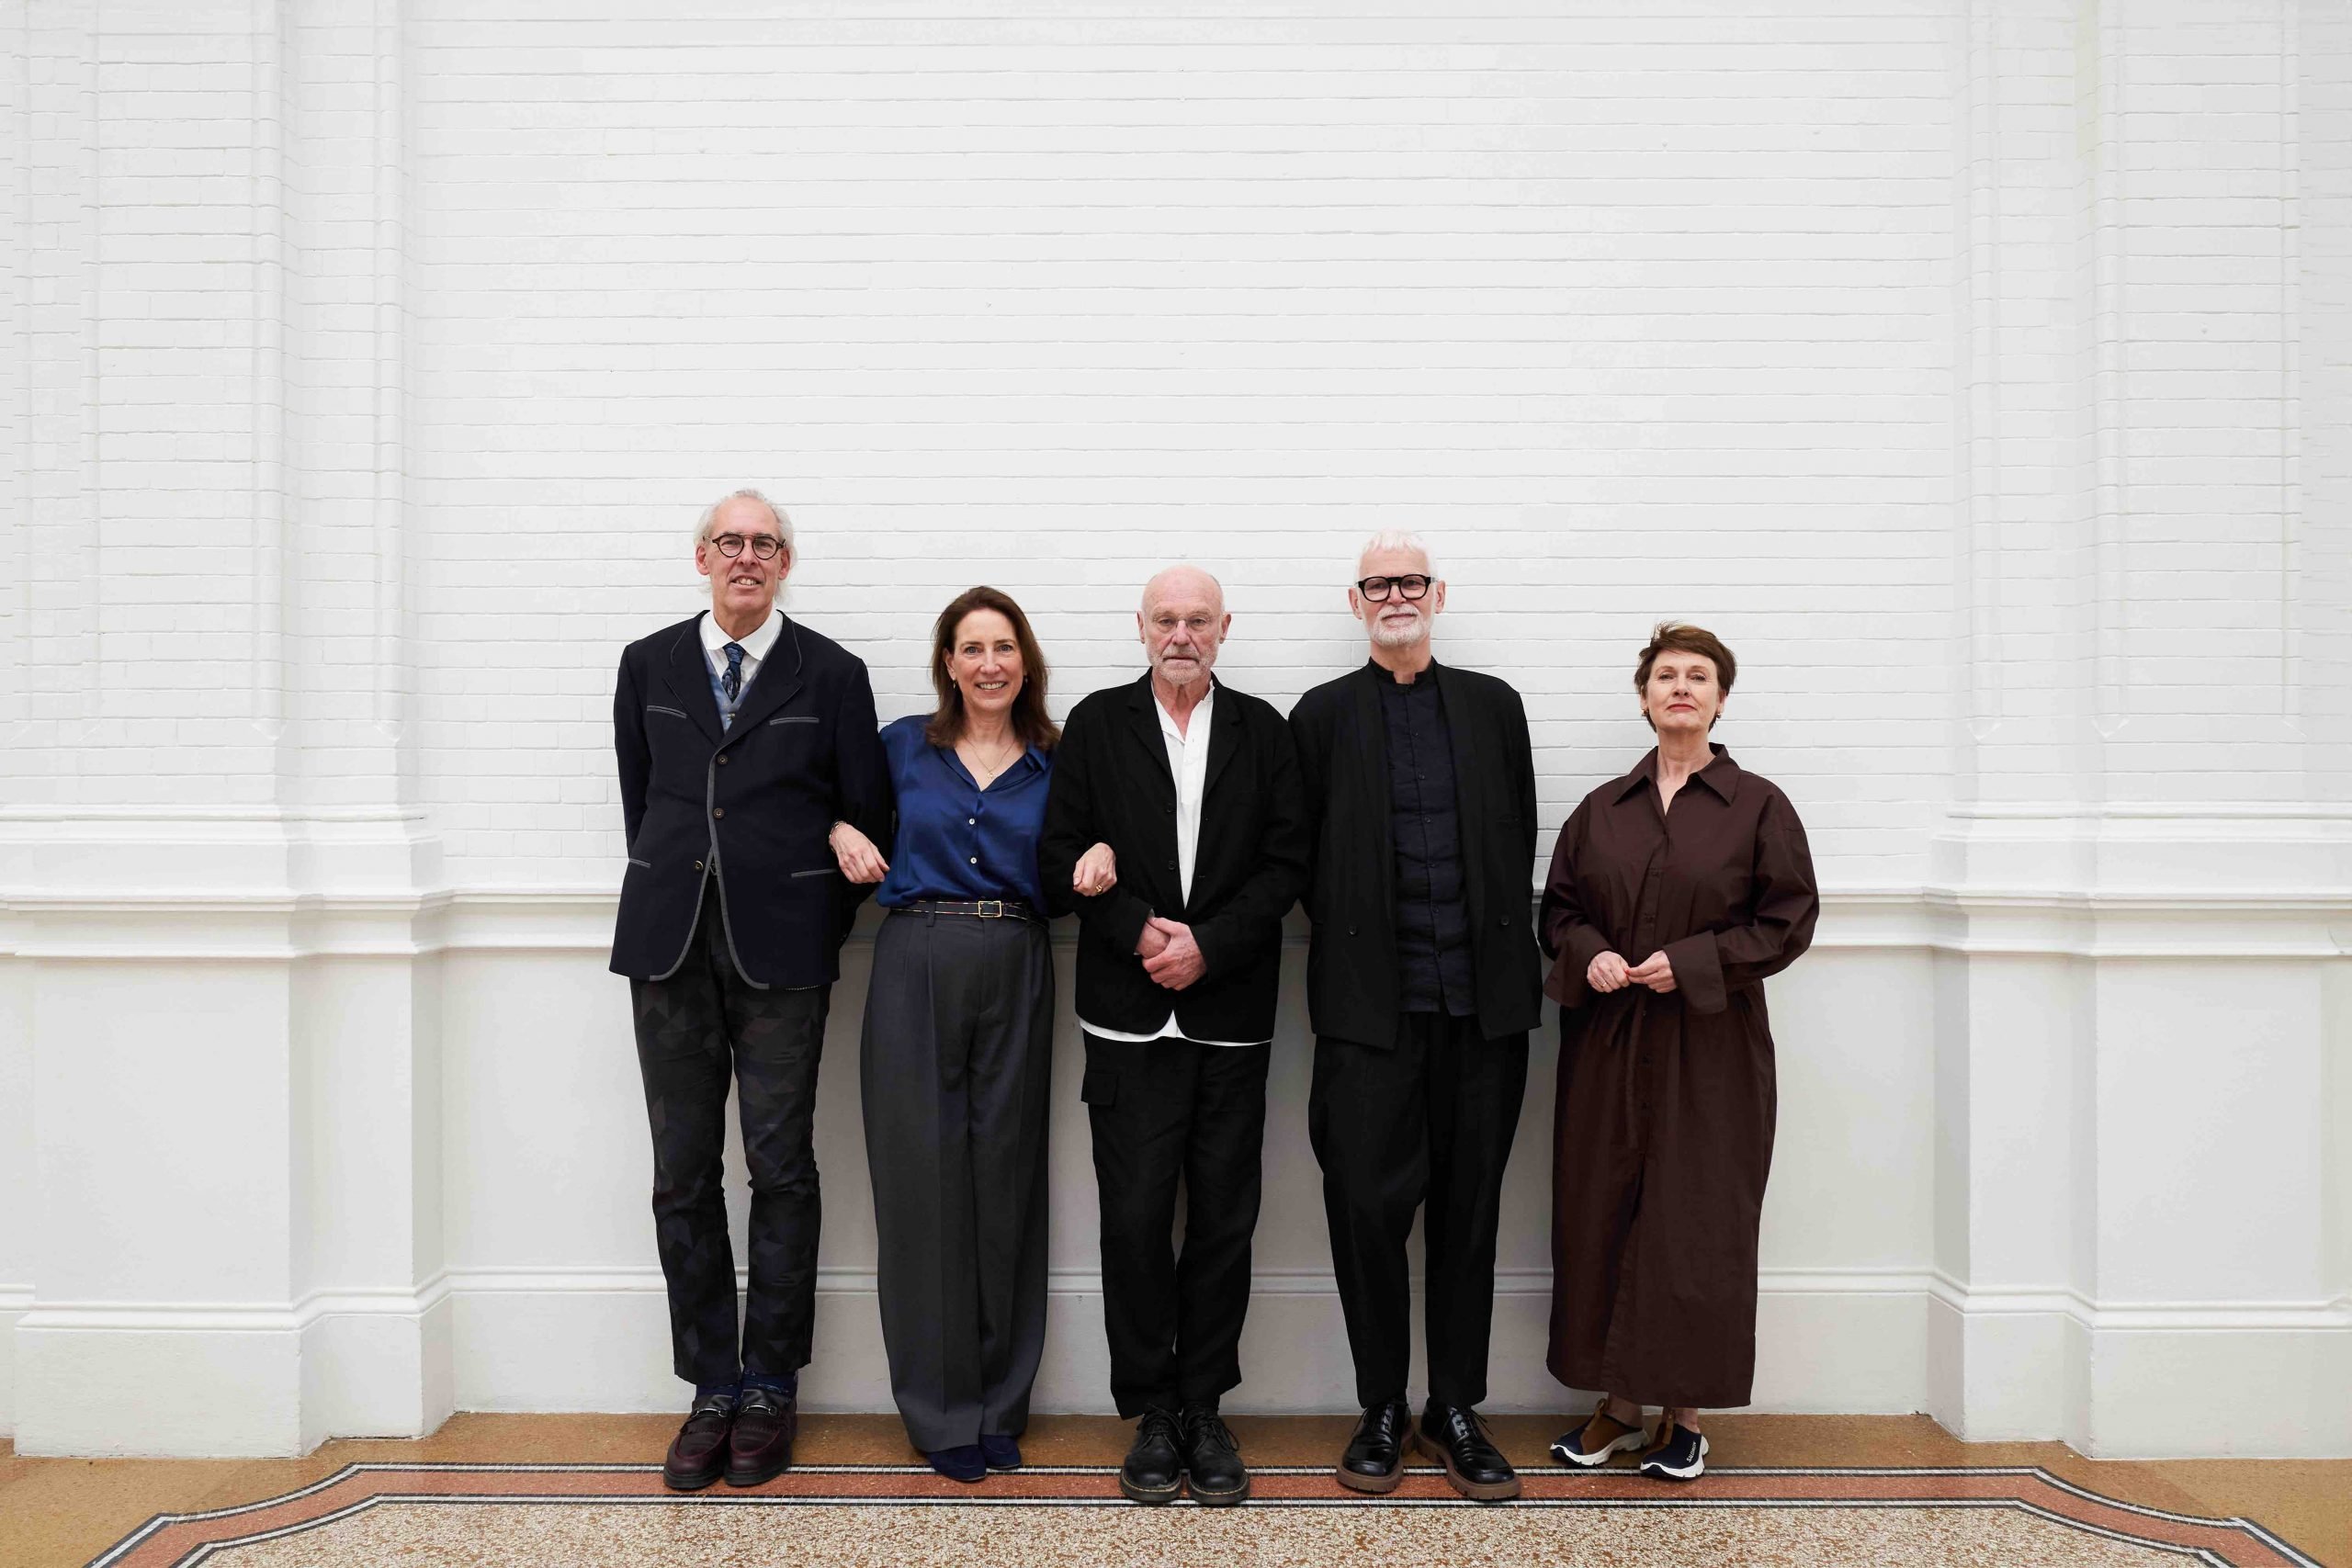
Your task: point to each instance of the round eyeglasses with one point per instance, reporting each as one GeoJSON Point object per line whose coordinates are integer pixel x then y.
{"type": "Point", "coordinates": [764, 546]}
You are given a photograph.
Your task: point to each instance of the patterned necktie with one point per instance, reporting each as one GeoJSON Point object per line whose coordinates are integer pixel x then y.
{"type": "Point", "coordinates": [734, 676]}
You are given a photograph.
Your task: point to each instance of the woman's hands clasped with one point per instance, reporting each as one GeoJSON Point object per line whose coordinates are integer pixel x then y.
{"type": "Point", "coordinates": [856, 854]}
{"type": "Point", "coordinates": [1608, 972]}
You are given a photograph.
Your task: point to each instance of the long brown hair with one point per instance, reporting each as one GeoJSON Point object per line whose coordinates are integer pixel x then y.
{"type": "Point", "coordinates": [1030, 722]}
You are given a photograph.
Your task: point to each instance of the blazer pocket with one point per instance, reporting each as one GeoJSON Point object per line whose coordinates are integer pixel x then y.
{"type": "Point", "coordinates": [674, 713]}
{"type": "Point", "coordinates": [792, 718]}
{"type": "Point", "coordinates": [646, 864]}
{"type": "Point", "coordinates": [1099, 1087]}
{"type": "Point", "coordinates": [819, 871]}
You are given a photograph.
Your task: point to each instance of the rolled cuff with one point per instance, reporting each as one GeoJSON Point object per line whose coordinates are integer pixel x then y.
{"type": "Point", "coordinates": [1698, 972]}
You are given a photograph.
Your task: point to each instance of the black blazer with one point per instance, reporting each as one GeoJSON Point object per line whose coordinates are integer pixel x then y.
{"type": "Point", "coordinates": [1351, 956]}
{"type": "Point", "coordinates": [804, 753]}
{"type": "Point", "coordinates": [1112, 785]}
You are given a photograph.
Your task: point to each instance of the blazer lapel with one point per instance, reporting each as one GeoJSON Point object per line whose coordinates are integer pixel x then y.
{"type": "Point", "coordinates": [688, 675]}
{"type": "Point", "coordinates": [774, 685]}
{"type": "Point", "coordinates": [1225, 738]}
{"type": "Point", "coordinates": [1463, 729]}
{"type": "Point", "coordinates": [1372, 779]}
{"type": "Point", "coordinates": [1143, 714]}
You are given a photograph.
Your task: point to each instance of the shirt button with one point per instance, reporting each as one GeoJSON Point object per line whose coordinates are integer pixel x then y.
{"type": "Point", "coordinates": [971, 821]}
{"type": "Point", "coordinates": [976, 860]}
{"type": "Point", "coordinates": [719, 811]}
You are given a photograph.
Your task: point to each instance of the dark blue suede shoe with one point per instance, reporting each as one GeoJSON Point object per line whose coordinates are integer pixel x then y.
{"type": "Point", "coordinates": [998, 1452]}
{"type": "Point", "coordinates": [962, 1463]}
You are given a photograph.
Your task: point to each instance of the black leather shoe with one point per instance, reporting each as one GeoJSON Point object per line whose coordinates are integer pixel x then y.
{"type": "Point", "coordinates": [697, 1454]}
{"type": "Point", "coordinates": [1373, 1459]}
{"type": "Point", "coordinates": [760, 1447]}
{"type": "Point", "coordinates": [1211, 1458]}
{"type": "Point", "coordinates": [1154, 1471]}
{"type": "Point", "coordinates": [1456, 1437]}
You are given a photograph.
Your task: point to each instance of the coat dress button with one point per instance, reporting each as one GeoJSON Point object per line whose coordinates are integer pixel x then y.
{"type": "Point", "coordinates": [722, 759]}
{"type": "Point", "coordinates": [719, 811]}
{"type": "Point", "coordinates": [698, 865]}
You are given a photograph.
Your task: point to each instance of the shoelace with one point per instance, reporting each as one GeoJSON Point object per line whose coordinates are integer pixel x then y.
{"type": "Point", "coordinates": [1159, 1423]}
{"type": "Point", "coordinates": [1208, 1423]}
{"type": "Point", "coordinates": [1461, 1424]}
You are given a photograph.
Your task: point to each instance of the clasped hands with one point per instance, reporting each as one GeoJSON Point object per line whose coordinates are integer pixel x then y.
{"type": "Point", "coordinates": [1170, 954]}
{"type": "Point", "coordinates": [1608, 972]}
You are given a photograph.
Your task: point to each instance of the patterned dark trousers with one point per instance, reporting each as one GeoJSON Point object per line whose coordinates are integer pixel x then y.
{"type": "Point", "coordinates": [697, 1030]}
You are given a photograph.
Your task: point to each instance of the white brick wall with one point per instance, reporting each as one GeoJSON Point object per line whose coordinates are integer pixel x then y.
{"type": "Point", "coordinates": [1944, 358]}
{"type": "Point", "coordinates": [1632, 316]}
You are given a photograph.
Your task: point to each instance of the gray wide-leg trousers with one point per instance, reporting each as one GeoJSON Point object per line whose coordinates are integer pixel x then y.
{"type": "Point", "coordinates": [956, 1063]}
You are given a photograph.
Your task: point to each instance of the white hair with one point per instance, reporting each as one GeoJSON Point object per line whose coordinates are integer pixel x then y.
{"type": "Point", "coordinates": [782, 523]}
{"type": "Point", "coordinates": [1395, 540]}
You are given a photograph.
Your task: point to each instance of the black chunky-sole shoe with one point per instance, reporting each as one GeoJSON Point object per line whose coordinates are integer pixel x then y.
{"type": "Point", "coordinates": [1153, 1471]}
{"type": "Point", "coordinates": [1214, 1473]}
{"type": "Point", "coordinates": [1456, 1437]}
{"type": "Point", "coordinates": [1373, 1459]}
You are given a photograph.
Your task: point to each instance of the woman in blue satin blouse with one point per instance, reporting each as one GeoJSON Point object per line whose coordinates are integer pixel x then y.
{"type": "Point", "coordinates": [959, 1042]}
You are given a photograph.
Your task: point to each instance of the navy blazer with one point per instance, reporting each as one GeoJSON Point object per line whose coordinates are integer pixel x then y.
{"type": "Point", "coordinates": [754, 802]}
{"type": "Point", "coordinates": [1352, 985]}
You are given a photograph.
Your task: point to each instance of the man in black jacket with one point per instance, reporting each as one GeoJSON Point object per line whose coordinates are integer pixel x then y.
{"type": "Point", "coordinates": [1194, 788]}
{"type": "Point", "coordinates": [743, 737]}
{"type": "Point", "coordinates": [1423, 978]}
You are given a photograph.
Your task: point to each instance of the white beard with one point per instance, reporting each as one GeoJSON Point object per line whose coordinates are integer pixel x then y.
{"type": "Point", "coordinates": [1400, 634]}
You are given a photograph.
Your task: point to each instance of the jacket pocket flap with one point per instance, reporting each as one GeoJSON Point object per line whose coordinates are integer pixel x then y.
{"type": "Point", "coordinates": [1100, 1086]}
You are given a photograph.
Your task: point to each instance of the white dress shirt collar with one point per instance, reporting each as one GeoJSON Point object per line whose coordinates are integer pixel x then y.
{"type": "Point", "coordinates": [755, 647]}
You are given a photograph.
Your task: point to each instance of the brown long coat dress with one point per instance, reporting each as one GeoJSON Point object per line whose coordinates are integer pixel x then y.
{"type": "Point", "coordinates": [1663, 1129]}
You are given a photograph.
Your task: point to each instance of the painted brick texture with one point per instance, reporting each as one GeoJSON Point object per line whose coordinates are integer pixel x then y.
{"type": "Point", "coordinates": [375, 358]}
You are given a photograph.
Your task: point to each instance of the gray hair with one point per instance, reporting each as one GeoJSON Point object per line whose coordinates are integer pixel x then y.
{"type": "Point", "coordinates": [1395, 539]}
{"type": "Point", "coordinates": [782, 523]}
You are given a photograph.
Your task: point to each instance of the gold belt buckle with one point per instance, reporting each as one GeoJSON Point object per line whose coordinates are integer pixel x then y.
{"type": "Point", "coordinates": [989, 908]}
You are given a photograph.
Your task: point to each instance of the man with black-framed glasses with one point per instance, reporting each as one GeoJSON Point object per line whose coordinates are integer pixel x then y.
{"type": "Point", "coordinates": [1423, 978]}
{"type": "Point", "coordinates": [743, 739]}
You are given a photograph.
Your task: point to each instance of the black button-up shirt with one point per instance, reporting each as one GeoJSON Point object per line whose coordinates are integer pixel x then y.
{"type": "Point", "coordinates": [1432, 924]}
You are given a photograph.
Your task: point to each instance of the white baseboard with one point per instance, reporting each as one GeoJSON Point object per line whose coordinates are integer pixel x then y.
{"type": "Point", "coordinates": [1999, 1365]}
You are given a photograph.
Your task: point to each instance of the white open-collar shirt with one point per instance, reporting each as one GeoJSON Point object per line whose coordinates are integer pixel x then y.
{"type": "Point", "coordinates": [1188, 763]}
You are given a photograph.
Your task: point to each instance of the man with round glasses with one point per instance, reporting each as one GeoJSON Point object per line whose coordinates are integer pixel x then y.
{"type": "Point", "coordinates": [1423, 978]}
{"type": "Point", "coordinates": [743, 738]}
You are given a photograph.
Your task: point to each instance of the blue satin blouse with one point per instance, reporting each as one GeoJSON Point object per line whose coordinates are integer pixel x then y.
{"type": "Point", "coordinates": [955, 840]}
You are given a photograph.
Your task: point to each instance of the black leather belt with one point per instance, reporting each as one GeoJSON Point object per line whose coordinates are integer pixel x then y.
{"type": "Point", "coordinates": [984, 909]}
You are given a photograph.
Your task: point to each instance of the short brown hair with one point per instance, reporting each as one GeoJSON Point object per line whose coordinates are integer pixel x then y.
{"type": "Point", "coordinates": [1674, 637]}
{"type": "Point", "coordinates": [1031, 723]}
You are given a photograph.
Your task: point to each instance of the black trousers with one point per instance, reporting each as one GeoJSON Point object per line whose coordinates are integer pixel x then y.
{"type": "Point", "coordinates": [1161, 1110]}
{"type": "Point", "coordinates": [1430, 1121]}
{"type": "Point", "coordinates": [697, 1030]}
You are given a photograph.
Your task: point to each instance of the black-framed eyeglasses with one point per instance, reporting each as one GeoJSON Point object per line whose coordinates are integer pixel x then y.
{"type": "Point", "coordinates": [1412, 585]}
{"type": "Point", "coordinates": [764, 546]}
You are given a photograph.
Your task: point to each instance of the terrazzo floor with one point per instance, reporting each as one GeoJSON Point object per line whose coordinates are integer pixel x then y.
{"type": "Point", "coordinates": [1781, 1490]}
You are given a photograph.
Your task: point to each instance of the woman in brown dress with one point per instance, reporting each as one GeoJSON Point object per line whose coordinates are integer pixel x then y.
{"type": "Point", "coordinates": [1674, 891]}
